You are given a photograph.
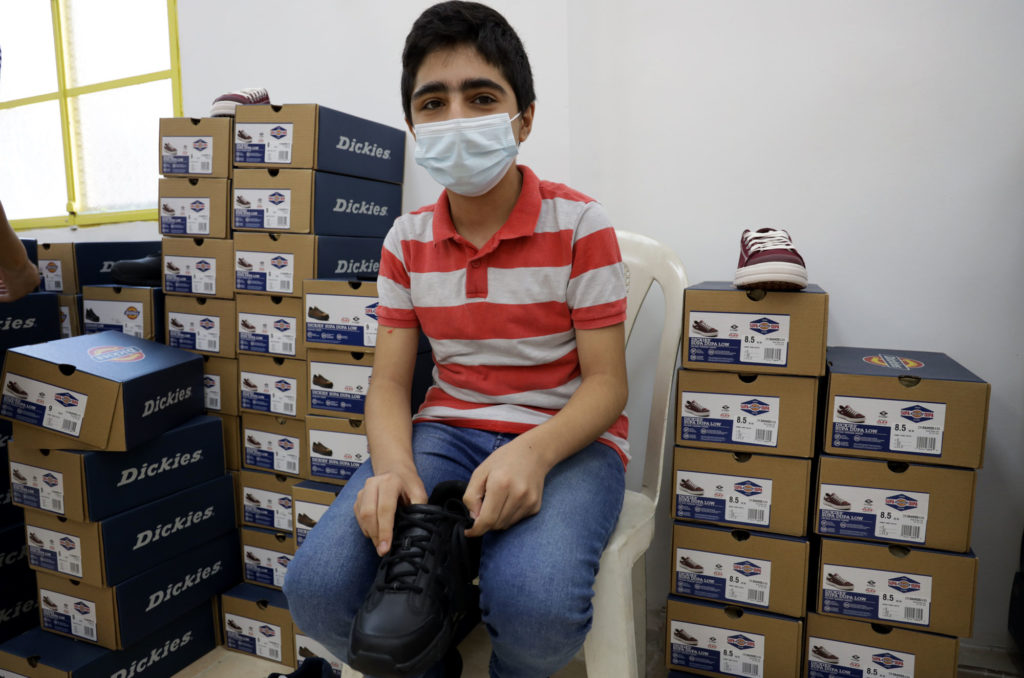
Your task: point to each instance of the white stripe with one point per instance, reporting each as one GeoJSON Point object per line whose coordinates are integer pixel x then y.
{"type": "Point", "coordinates": [599, 286]}
{"type": "Point", "coordinates": [593, 219]}
{"type": "Point", "coordinates": [392, 295]}
{"type": "Point", "coordinates": [418, 227]}
{"type": "Point", "coordinates": [552, 399]}
{"type": "Point", "coordinates": [527, 285]}
{"type": "Point", "coordinates": [526, 352]}
{"type": "Point", "coordinates": [439, 289]}
{"type": "Point", "coordinates": [559, 214]}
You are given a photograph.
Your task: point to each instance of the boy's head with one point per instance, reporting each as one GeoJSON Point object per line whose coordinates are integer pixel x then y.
{"type": "Point", "coordinates": [455, 24]}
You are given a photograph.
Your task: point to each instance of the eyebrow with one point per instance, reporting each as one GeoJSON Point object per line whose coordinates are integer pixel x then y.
{"type": "Point", "coordinates": [436, 86]}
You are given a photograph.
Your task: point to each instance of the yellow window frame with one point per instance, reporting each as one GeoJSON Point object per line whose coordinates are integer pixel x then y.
{"type": "Point", "coordinates": [64, 93]}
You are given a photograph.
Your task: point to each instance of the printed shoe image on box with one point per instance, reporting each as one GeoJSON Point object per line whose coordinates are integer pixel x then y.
{"type": "Point", "coordinates": [769, 261]}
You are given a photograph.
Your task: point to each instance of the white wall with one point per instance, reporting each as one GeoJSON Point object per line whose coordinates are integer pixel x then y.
{"type": "Point", "coordinates": [888, 137]}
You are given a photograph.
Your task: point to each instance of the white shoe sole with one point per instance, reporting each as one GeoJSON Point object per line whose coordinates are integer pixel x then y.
{"type": "Point", "coordinates": [772, 275]}
{"type": "Point", "coordinates": [696, 414]}
{"type": "Point", "coordinates": [823, 659]}
{"type": "Point", "coordinates": [692, 494]}
{"type": "Point", "coordinates": [841, 588]}
{"type": "Point", "coordinates": [690, 569]}
{"type": "Point", "coordinates": [683, 642]}
{"type": "Point", "coordinates": [223, 109]}
{"type": "Point", "coordinates": [836, 508]}
{"type": "Point", "coordinates": [704, 334]}
{"type": "Point", "coordinates": [852, 420]}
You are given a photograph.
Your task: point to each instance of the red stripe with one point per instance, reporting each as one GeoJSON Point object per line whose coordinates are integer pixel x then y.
{"type": "Point", "coordinates": [542, 249]}
{"type": "Point", "coordinates": [492, 380]}
{"type": "Point", "coordinates": [397, 317]}
{"type": "Point", "coordinates": [601, 315]}
{"type": "Point", "coordinates": [484, 320]}
{"type": "Point", "coordinates": [551, 189]}
{"type": "Point", "coordinates": [391, 268]}
{"type": "Point", "coordinates": [596, 250]}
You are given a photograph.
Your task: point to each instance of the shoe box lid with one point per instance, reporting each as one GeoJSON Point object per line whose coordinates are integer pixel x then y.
{"type": "Point", "coordinates": [309, 136]}
{"type": "Point", "coordinates": [759, 413]}
{"type": "Point", "coordinates": [275, 263]}
{"type": "Point", "coordinates": [136, 311]}
{"type": "Point", "coordinates": [162, 654]}
{"type": "Point", "coordinates": [276, 326]}
{"type": "Point", "coordinates": [310, 501]}
{"type": "Point", "coordinates": [280, 386]}
{"type": "Point", "coordinates": [266, 499]}
{"type": "Point", "coordinates": [200, 325]}
{"type": "Point", "coordinates": [220, 385]}
{"type": "Point", "coordinates": [915, 504]}
{"type": "Point", "coordinates": [771, 332]}
{"type": "Point", "coordinates": [30, 320]}
{"type": "Point", "coordinates": [70, 306]}
{"type": "Point", "coordinates": [231, 426]}
{"type": "Point", "coordinates": [351, 308]}
{"type": "Point", "coordinates": [110, 551]}
{"type": "Point", "coordinates": [196, 207]}
{"type": "Point", "coordinates": [347, 257]}
{"type": "Point", "coordinates": [94, 261]}
{"type": "Point", "coordinates": [346, 440]}
{"type": "Point", "coordinates": [199, 147]}
{"type": "Point", "coordinates": [739, 489]}
{"type": "Point", "coordinates": [274, 444]}
{"type": "Point", "coordinates": [913, 588]}
{"type": "Point", "coordinates": [857, 645]}
{"type": "Point", "coordinates": [90, 485]}
{"type": "Point", "coordinates": [199, 267]}
{"type": "Point", "coordinates": [256, 621]}
{"type": "Point", "coordinates": [347, 375]}
{"type": "Point", "coordinates": [120, 616]}
{"type": "Point", "coordinates": [266, 555]}
{"type": "Point", "coordinates": [912, 406]}
{"type": "Point", "coordinates": [727, 640]}
{"type": "Point", "coordinates": [103, 391]}
{"type": "Point", "coordinates": [758, 570]}
{"type": "Point", "coordinates": [57, 267]}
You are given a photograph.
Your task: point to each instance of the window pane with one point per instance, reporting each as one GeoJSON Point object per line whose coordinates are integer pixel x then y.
{"type": "Point", "coordinates": [110, 39]}
{"type": "Point", "coordinates": [32, 180]}
{"type": "Point", "coordinates": [116, 137]}
{"type": "Point", "coordinates": [26, 37]}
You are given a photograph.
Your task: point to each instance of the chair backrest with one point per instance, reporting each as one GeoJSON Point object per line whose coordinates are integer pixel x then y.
{"type": "Point", "coordinates": [648, 261]}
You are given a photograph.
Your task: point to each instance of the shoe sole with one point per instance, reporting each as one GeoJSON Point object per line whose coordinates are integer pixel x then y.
{"type": "Point", "coordinates": [696, 414]}
{"type": "Point", "coordinates": [683, 642]}
{"type": "Point", "coordinates": [692, 494]}
{"type": "Point", "coordinates": [852, 420]}
{"type": "Point", "coordinates": [223, 109]}
{"type": "Point", "coordinates": [704, 334]}
{"type": "Point", "coordinates": [849, 587]}
{"type": "Point", "coordinates": [835, 506]}
{"type": "Point", "coordinates": [771, 275]}
{"type": "Point", "coordinates": [824, 659]}
{"type": "Point", "coordinates": [383, 665]}
{"type": "Point", "coordinates": [690, 569]}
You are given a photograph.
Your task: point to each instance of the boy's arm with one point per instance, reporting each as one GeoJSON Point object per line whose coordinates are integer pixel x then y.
{"type": "Point", "coordinates": [509, 484]}
{"type": "Point", "coordinates": [18, 275]}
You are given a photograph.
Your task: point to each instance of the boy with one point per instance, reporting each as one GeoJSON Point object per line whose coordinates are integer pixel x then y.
{"type": "Point", "coordinates": [518, 285]}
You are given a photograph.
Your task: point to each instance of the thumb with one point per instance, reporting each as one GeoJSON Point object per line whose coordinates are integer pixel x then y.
{"type": "Point", "coordinates": [474, 496]}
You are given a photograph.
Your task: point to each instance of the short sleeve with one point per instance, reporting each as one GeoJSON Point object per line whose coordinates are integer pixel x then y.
{"type": "Point", "coordinates": [395, 308]}
{"type": "Point", "coordinates": [596, 293]}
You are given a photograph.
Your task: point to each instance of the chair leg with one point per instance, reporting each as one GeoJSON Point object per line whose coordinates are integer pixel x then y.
{"type": "Point", "coordinates": [606, 654]}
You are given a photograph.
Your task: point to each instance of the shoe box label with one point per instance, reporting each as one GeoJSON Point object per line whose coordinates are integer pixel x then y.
{"type": "Point", "coordinates": [746, 581]}
{"type": "Point", "coordinates": [68, 614]}
{"type": "Point", "coordinates": [341, 320]}
{"type": "Point", "coordinates": [739, 338]}
{"type": "Point", "coordinates": [264, 272]}
{"type": "Point", "coordinates": [876, 594]}
{"type": "Point", "coordinates": [52, 550]}
{"type": "Point", "coordinates": [880, 425]}
{"type": "Point", "coordinates": [41, 404]}
{"type": "Point", "coordinates": [266, 566]}
{"type": "Point", "coordinates": [37, 487]}
{"type": "Point", "coordinates": [717, 650]}
{"type": "Point", "coordinates": [306, 647]}
{"type": "Point", "coordinates": [271, 451]}
{"type": "Point", "coordinates": [339, 387]}
{"type": "Point", "coordinates": [186, 155]}
{"type": "Point", "coordinates": [122, 316]}
{"type": "Point", "coordinates": [211, 391]}
{"type": "Point", "coordinates": [65, 322]}
{"type": "Point", "coordinates": [190, 275]}
{"type": "Point", "coordinates": [269, 393]}
{"type": "Point", "coordinates": [193, 332]}
{"type": "Point", "coordinates": [264, 142]}
{"type": "Point", "coordinates": [253, 636]}
{"type": "Point", "coordinates": [270, 334]}
{"type": "Point", "coordinates": [185, 216]}
{"type": "Point", "coordinates": [267, 208]}
{"type": "Point", "coordinates": [868, 512]}
{"type": "Point", "coordinates": [335, 455]}
{"type": "Point", "coordinates": [743, 419]}
{"type": "Point", "coordinates": [307, 515]}
{"type": "Point", "coordinates": [724, 499]}
{"type": "Point", "coordinates": [267, 509]}
{"type": "Point", "coordinates": [829, 658]}
{"type": "Point", "coordinates": [52, 272]}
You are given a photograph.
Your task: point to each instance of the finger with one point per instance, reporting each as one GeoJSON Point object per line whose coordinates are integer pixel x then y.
{"type": "Point", "coordinates": [417, 494]}
{"type": "Point", "coordinates": [366, 511]}
{"type": "Point", "coordinates": [386, 507]}
{"type": "Point", "coordinates": [490, 511]}
{"type": "Point", "coordinates": [473, 497]}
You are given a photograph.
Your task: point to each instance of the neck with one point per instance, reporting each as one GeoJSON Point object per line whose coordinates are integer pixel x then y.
{"type": "Point", "coordinates": [477, 219]}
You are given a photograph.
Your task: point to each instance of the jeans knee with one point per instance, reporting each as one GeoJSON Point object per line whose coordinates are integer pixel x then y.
{"type": "Point", "coordinates": [540, 626]}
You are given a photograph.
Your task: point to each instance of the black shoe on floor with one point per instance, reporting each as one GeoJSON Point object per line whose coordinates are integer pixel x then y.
{"type": "Point", "coordinates": [422, 592]}
{"type": "Point", "coordinates": [313, 667]}
{"type": "Point", "coordinates": [144, 272]}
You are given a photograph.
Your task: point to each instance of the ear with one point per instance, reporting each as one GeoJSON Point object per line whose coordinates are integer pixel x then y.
{"type": "Point", "coordinates": [526, 122]}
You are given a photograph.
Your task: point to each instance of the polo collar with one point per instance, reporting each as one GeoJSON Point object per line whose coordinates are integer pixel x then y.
{"type": "Point", "coordinates": [521, 222]}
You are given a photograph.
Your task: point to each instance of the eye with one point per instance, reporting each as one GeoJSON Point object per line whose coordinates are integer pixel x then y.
{"type": "Point", "coordinates": [430, 105]}
{"type": "Point", "coordinates": [484, 100]}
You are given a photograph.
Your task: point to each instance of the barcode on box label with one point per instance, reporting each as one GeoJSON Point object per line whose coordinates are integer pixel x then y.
{"type": "Point", "coordinates": [755, 596]}
{"type": "Point", "coordinates": [273, 653]}
{"type": "Point", "coordinates": [925, 443]}
{"type": "Point", "coordinates": [913, 614]}
{"type": "Point", "coordinates": [288, 348]}
{"type": "Point", "coordinates": [763, 436]}
{"type": "Point", "coordinates": [282, 222]}
{"type": "Point", "coordinates": [749, 669]}
{"type": "Point", "coordinates": [58, 505]}
{"type": "Point", "coordinates": [207, 287]}
{"type": "Point", "coordinates": [755, 515]}
{"type": "Point", "coordinates": [204, 167]}
{"type": "Point", "coordinates": [69, 425]}
{"type": "Point", "coordinates": [772, 355]}
{"type": "Point", "coordinates": [291, 465]}
{"type": "Point", "coordinates": [73, 568]}
{"type": "Point", "coordinates": [910, 531]}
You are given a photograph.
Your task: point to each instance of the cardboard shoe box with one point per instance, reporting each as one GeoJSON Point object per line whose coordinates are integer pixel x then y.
{"type": "Point", "coordinates": [340, 314]}
{"type": "Point", "coordinates": [136, 311]}
{"type": "Point", "coordinates": [232, 427]}
{"type": "Point", "coordinates": [32, 319]}
{"type": "Point", "coordinates": [272, 386]}
{"type": "Point", "coordinates": [257, 622]}
{"type": "Point", "coordinates": [736, 567]}
{"type": "Point", "coordinates": [757, 331]}
{"type": "Point", "coordinates": [201, 325]}
{"type": "Point", "coordinates": [220, 385]}
{"type": "Point", "coordinates": [906, 587]}
{"type": "Point", "coordinates": [306, 647]}
{"type": "Point", "coordinates": [754, 491]}
{"type": "Point", "coordinates": [266, 555]}
{"type": "Point", "coordinates": [338, 381]}
{"type": "Point", "coordinates": [195, 207]}
{"type": "Point", "coordinates": [272, 263]}
{"type": "Point", "coordinates": [57, 267]}
{"type": "Point", "coordinates": [912, 406]}
{"type": "Point", "coordinates": [337, 447]}
{"type": "Point", "coordinates": [929, 506]}
{"type": "Point", "coordinates": [70, 306]}
{"type": "Point", "coordinates": [106, 391]}
{"type": "Point", "coordinates": [838, 647]}
{"type": "Point", "coordinates": [347, 258]}
{"type": "Point", "coordinates": [198, 147]}
{"type": "Point", "coordinates": [270, 326]}
{"type": "Point", "coordinates": [747, 413]}
{"type": "Point", "coordinates": [310, 501]}
{"type": "Point", "coordinates": [273, 444]}
{"type": "Point", "coordinates": [94, 261]}
{"type": "Point", "coordinates": [199, 267]}
{"type": "Point", "coordinates": [266, 499]}
{"type": "Point", "coordinates": [717, 640]}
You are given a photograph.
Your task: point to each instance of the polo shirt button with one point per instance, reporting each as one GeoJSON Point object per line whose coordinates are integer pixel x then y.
{"type": "Point", "coordinates": [475, 264]}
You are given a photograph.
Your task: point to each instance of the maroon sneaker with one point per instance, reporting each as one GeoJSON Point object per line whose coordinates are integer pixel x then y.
{"type": "Point", "coordinates": [246, 325]}
{"type": "Point", "coordinates": [242, 202]}
{"type": "Point", "coordinates": [172, 268]}
{"type": "Point", "coordinates": [849, 414]}
{"type": "Point", "coordinates": [695, 409]}
{"type": "Point", "coordinates": [833, 500]}
{"type": "Point", "coordinates": [703, 329]}
{"type": "Point", "coordinates": [170, 149]}
{"type": "Point", "coordinates": [17, 390]}
{"type": "Point", "coordinates": [837, 582]}
{"type": "Point", "coordinates": [224, 105]}
{"type": "Point", "coordinates": [690, 565]}
{"type": "Point", "coordinates": [683, 637]}
{"type": "Point", "coordinates": [687, 487]}
{"type": "Point", "coordinates": [167, 208]}
{"type": "Point", "coordinates": [822, 655]}
{"type": "Point", "coordinates": [768, 261]}
{"type": "Point", "coordinates": [249, 384]}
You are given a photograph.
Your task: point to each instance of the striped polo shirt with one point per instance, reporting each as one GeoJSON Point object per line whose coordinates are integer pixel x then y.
{"type": "Point", "coordinates": [501, 320]}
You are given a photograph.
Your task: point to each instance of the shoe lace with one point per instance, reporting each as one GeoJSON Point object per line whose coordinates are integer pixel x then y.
{"type": "Point", "coordinates": [767, 240]}
{"type": "Point", "coordinates": [407, 557]}
{"type": "Point", "coordinates": [254, 93]}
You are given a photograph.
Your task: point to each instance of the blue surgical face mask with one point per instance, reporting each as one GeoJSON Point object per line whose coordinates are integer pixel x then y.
{"type": "Point", "coordinates": [468, 156]}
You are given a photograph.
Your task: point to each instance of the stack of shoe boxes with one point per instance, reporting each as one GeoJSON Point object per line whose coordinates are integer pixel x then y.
{"type": "Point", "coordinates": [745, 436]}
{"type": "Point", "coordinates": [57, 274]}
{"type": "Point", "coordinates": [129, 515]}
{"type": "Point", "coordinates": [904, 435]}
{"type": "Point", "coordinates": [136, 310]}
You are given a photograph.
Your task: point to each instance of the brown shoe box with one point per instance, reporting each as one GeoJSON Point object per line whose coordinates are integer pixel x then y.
{"type": "Point", "coordinates": [256, 621]}
{"type": "Point", "coordinates": [220, 385]}
{"type": "Point", "coordinates": [202, 147]}
{"type": "Point", "coordinates": [338, 382]}
{"type": "Point", "coordinates": [265, 555]}
{"type": "Point", "coordinates": [57, 267]}
{"type": "Point", "coordinates": [272, 326]}
{"type": "Point", "coordinates": [206, 325]}
{"type": "Point", "coordinates": [748, 413]}
{"type": "Point", "coordinates": [195, 207]}
{"type": "Point", "coordinates": [204, 267]}
{"type": "Point", "coordinates": [723, 640]}
{"type": "Point", "coordinates": [306, 647]}
{"type": "Point", "coordinates": [272, 200]}
{"type": "Point", "coordinates": [911, 588]}
{"type": "Point", "coordinates": [70, 317]}
{"type": "Point", "coordinates": [274, 444]}
{"type": "Point", "coordinates": [231, 425]}
{"type": "Point", "coordinates": [275, 386]}
{"type": "Point", "coordinates": [347, 448]}
{"type": "Point", "coordinates": [310, 501]}
{"type": "Point", "coordinates": [135, 311]}
{"type": "Point", "coordinates": [266, 499]}
{"type": "Point", "coordinates": [351, 323]}
{"type": "Point", "coordinates": [274, 263]}
{"type": "Point", "coordinates": [750, 491]}
{"type": "Point", "coordinates": [737, 567]}
{"type": "Point", "coordinates": [865, 649]}
{"type": "Point", "coordinates": [927, 506]}
{"type": "Point", "coordinates": [915, 406]}
{"type": "Point", "coordinates": [765, 332]}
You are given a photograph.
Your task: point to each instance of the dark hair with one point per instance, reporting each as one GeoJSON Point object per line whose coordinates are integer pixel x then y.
{"type": "Point", "coordinates": [449, 24]}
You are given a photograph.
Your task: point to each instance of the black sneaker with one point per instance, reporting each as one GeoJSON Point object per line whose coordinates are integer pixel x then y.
{"type": "Point", "coordinates": [422, 592]}
{"type": "Point", "coordinates": [91, 316]}
{"type": "Point", "coordinates": [144, 272]}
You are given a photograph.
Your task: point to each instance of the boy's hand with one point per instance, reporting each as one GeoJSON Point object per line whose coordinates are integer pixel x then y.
{"type": "Point", "coordinates": [507, 487]}
{"type": "Point", "coordinates": [377, 502]}
{"type": "Point", "coordinates": [16, 283]}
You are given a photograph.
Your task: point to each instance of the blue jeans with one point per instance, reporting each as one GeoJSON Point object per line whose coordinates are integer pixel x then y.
{"type": "Point", "coordinates": [536, 578]}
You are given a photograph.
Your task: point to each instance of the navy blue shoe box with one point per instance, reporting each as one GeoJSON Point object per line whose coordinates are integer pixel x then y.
{"type": "Point", "coordinates": [95, 261]}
